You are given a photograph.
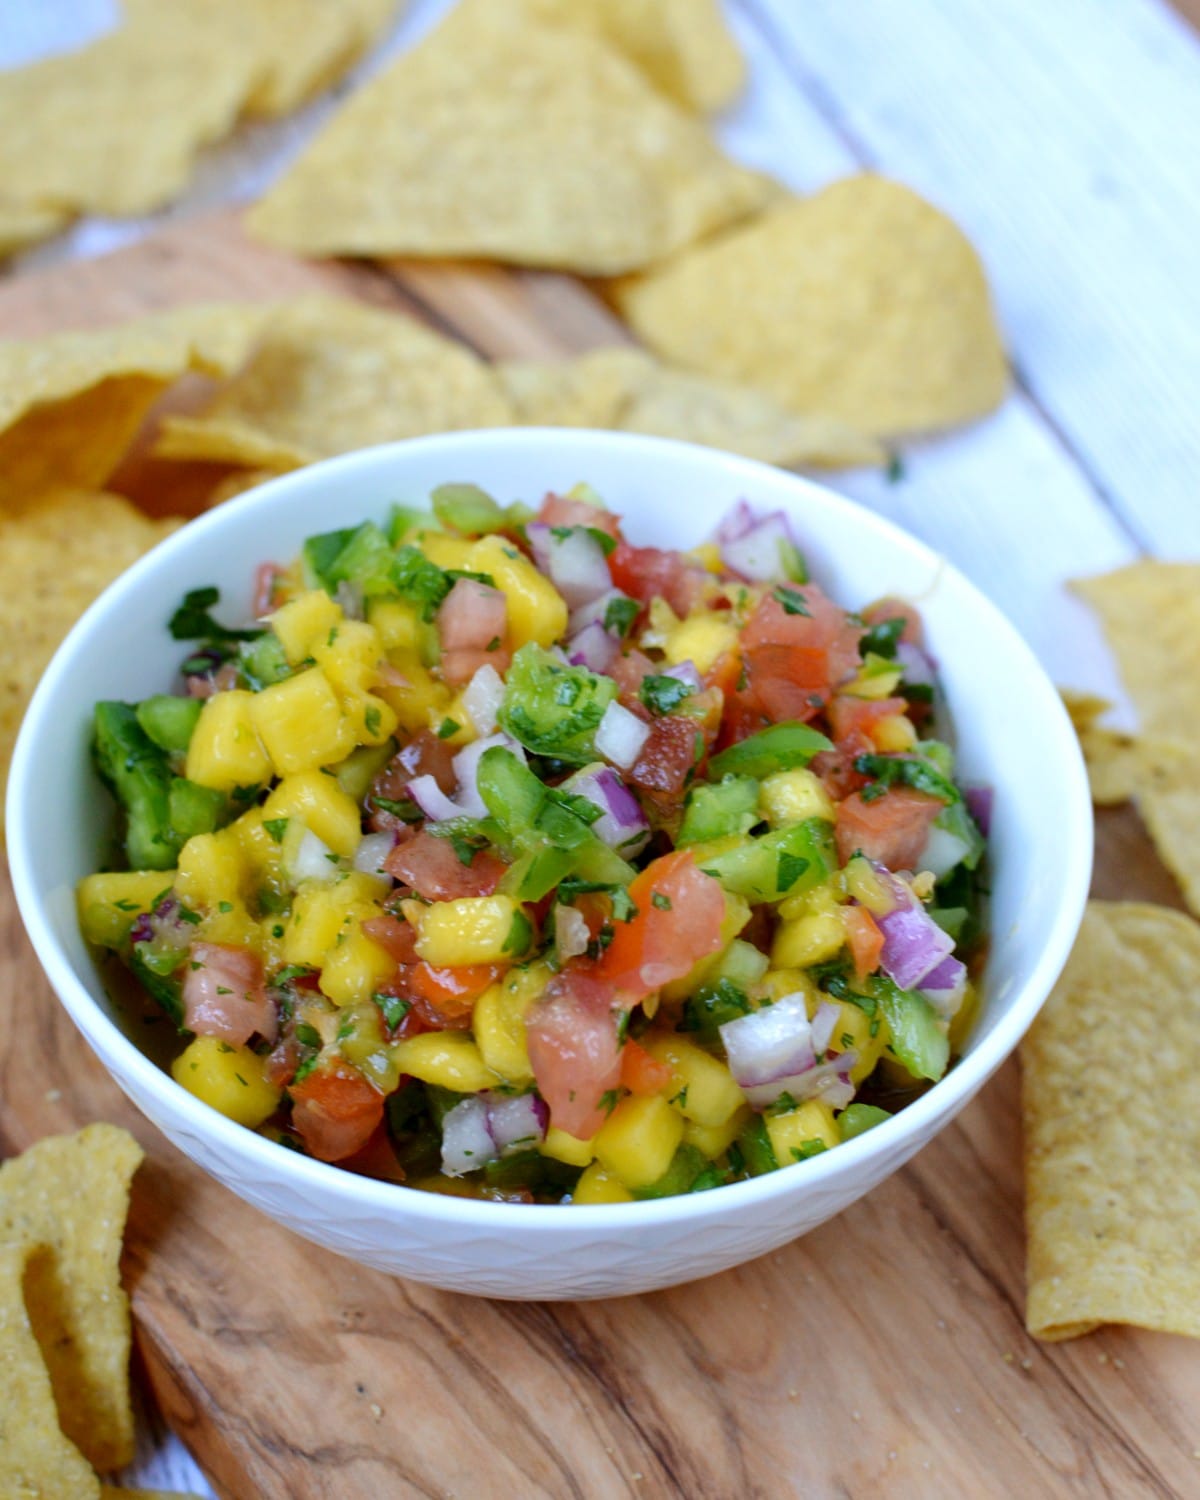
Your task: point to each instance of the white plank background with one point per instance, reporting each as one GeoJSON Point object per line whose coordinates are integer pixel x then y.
{"type": "Point", "coordinates": [1064, 135]}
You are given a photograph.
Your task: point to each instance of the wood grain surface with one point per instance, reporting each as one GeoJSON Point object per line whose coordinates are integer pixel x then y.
{"type": "Point", "coordinates": [884, 1354]}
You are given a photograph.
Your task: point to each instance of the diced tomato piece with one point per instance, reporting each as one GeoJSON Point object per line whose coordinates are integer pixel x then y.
{"type": "Point", "coordinates": [629, 670]}
{"type": "Point", "coordinates": [670, 934]}
{"type": "Point", "coordinates": [266, 579]}
{"type": "Point", "coordinates": [675, 746]}
{"type": "Point", "coordinates": [424, 755]}
{"type": "Point", "coordinates": [460, 665]}
{"type": "Point", "coordinates": [473, 617]}
{"type": "Point", "coordinates": [836, 767]}
{"type": "Point", "coordinates": [860, 715]}
{"type": "Point", "coordinates": [376, 1159]}
{"type": "Point", "coordinates": [794, 660]}
{"type": "Point", "coordinates": [573, 1047]}
{"type": "Point", "coordinates": [558, 511]}
{"type": "Point", "coordinates": [641, 1073]}
{"type": "Point", "coordinates": [451, 993]}
{"type": "Point", "coordinates": [224, 994]}
{"type": "Point", "coordinates": [891, 829]}
{"type": "Point", "coordinates": [335, 1111]}
{"type": "Point", "coordinates": [648, 573]}
{"type": "Point", "coordinates": [394, 935]}
{"type": "Point", "coordinates": [898, 609]}
{"type": "Point", "coordinates": [724, 672]}
{"type": "Point", "coordinates": [433, 869]}
{"type": "Point", "coordinates": [864, 938]}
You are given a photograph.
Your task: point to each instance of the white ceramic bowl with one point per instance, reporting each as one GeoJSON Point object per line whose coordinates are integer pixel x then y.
{"type": "Point", "coordinates": [1012, 733]}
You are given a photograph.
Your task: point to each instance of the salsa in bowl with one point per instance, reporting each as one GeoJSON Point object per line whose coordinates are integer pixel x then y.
{"type": "Point", "coordinates": [733, 1038]}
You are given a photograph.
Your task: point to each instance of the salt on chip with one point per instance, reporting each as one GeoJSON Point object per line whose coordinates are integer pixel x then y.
{"type": "Point", "coordinates": [329, 376]}
{"type": "Point", "coordinates": [36, 1458]}
{"type": "Point", "coordinates": [56, 556]}
{"type": "Point", "coordinates": [1112, 1132]}
{"type": "Point", "coordinates": [862, 303]}
{"type": "Point", "coordinates": [72, 403]}
{"type": "Point", "coordinates": [1151, 616]}
{"type": "Point", "coordinates": [503, 139]}
{"type": "Point", "coordinates": [114, 127]}
{"type": "Point", "coordinates": [682, 46]}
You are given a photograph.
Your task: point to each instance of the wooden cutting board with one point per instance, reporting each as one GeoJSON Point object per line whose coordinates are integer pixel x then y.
{"type": "Point", "coordinates": [884, 1354]}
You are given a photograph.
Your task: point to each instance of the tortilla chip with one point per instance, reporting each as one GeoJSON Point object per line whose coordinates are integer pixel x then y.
{"type": "Point", "coordinates": [37, 1461]}
{"type": "Point", "coordinates": [71, 404]}
{"type": "Point", "coordinates": [330, 376]}
{"type": "Point", "coordinates": [70, 1193]}
{"type": "Point", "coordinates": [23, 224]}
{"type": "Point", "coordinates": [110, 1492]}
{"type": "Point", "coordinates": [1112, 1133]}
{"type": "Point", "coordinates": [862, 303]}
{"type": "Point", "coordinates": [55, 558]}
{"type": "Point", "coordinates": [238, 483]}
{"type": "Point", "coordinates": [682, 46]}
{"type": "Point", "coordinates": [114, 128]}
{"type": "Point", "coordinates": [1151, 616]}
{"type": "Point", "coordinates": [1168, 799]}
{"type": "Point", "coordinates": [1084, 709]}
{"type": "Point", "coordinates": [503, 139]}
{"type": "Point", "coordinates": [630, 391]}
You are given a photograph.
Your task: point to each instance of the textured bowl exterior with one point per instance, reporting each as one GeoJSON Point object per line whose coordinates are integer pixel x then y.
{"type": "Point", "coordinates": [671, 494]}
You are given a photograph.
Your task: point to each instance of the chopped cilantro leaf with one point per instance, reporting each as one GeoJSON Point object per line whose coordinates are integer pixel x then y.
{"type": "Point", "coordinates": [791, 867]}
{"type": "Point", "coordinates": [663, 903]}
{"type": "Point", "coordinates": [276, 827]}
{"type": "Point", "coordinates": [792, 600]}
{"type": "Point", "coordinates": [662, 694]}
{"type": "Point", "coordinates": [895, 770]}
{"type": "Point", "coordinates": [619, 615]}
{"type": "Point", "coordinates": [882, 639]}
{"type": "Point", "coordinates": [447, 729]}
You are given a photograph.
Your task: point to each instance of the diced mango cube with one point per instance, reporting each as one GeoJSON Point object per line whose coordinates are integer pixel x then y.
{"type": "Point", "coordinates": [317, 801]}
{"type": "Point", "coordinates": [598, 1186]}
{"type": "Point", "coordinates": [701, 639]}
{"type": "Point", "coordinates": [893, 735]}
{"type": "Point", "coordinates": [420, 698]}
{"type": "Point", "coordinates": [638, 1140]}
{"type": "Point", "coordinates": [349, 655]}
{"type": "Point", "coordinates": [715, 1140]}
{"type": "Point", "coordinates": [702, 1087]}
{"type": "Point", "coordinates": [446, 550]}
{"type": "Point", "coordinates": [792, 796]}
{"type": "Point", "coordinates": [230, 1079]}
{"type": "Point", "coordinates": [794, 1132]}
{"type": "Point", "coordinates": [822, 898]}
{"type": "Point", "coordinates": [776, 983]}
{"type": "Point", "coordinates": [260, 850]}
{"type": "Point", "coordinates": [472, 930]}
{"type": "Point", "coordinates": [304, 621]}
{"type": "Point", "coordinates": [301, 723]}
{"type": "Point", "coordinates": [110, 904]}
{"type": "Point", "coordinates": [321, 911]}
{"type": "Point", "coordinates": [225, 750]}
{"type": "Point", "coordinates": [355, 967]}
{"type": "Point", "coordinates": [856, 1031]}
{"type": "Point", "coordinates": [498, 1022]}
{"type": "Point", "coordinates": [536, 610]}
{"type": "Point", "coordinates": [211, 866]}
{"type": "Point", "coordinates": [807, 940]}
{"type": "Point", "coordinates": [373, 718]}
{"type": "Point", "coordinates": [448, 1059]}
{"type": "Point", "coordinates": [560, 1146]}
{"type": "Point", "coordinates": [396, 622]}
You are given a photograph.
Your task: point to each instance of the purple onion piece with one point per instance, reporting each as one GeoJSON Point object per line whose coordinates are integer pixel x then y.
{"type": "Point", "coordinates": [736, 523]}
{"type": "Point", "coordinates": [467, 1142]}
{"type": "Point", "coordinates": [944, 987]}
{"type": "Point", "coordinates": [592, 648]}
{"type": "Point", "coordinates": [980, 801]}
{"type": "Point", "coordinates": [686, 673]}
{"type": "Point", "coordinates": [516, 1122]}
{"type": "Point", "coordinates": [913, 943]}
{"type": "Point", "coordinates": [769, 1044]}
{"type": "Point", "coordinates": [432, 801]}
{"type": "Point", "coordinates": [622, 824]}
{"type": "Point", "coordinates": [594, 612]}
{"type": "Point", "coordinates": [919, 667]}
{"type": "Point", "coordinates": [828, 1080]}
{"type": "Point", "coordinates": [759, 555]}
{"type": "Point", "coordinates": [538, 535]}
{"type": "Point", "coordinates": [823, 1022]}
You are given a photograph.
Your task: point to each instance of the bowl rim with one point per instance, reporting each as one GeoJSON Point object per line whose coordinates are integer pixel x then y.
{"type": "Point", "coordinates": [354, 1194]}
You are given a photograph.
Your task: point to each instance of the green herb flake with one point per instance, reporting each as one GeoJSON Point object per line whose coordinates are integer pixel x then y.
{"type": "Point", "coordinates": [392, 1007]}
{"type": "Point", "coordinates": [619, 615]}
{"type": "Point", "coordinates": [790, 869]}
{"type": "Point", "coordinates": [276, 827]}
{"type": "Point", "coordinates": [662, 694]}
{"type": "Point", "coordinates": [372, 720]}
{"type": "Point", "coordinates": [663, 903]}
{"type": "Point", "coordinates": [447, 729]}
{"type": "Point", "coordinates": [791, 599]}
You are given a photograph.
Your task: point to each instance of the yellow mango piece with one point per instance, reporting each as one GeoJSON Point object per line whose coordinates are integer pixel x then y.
{"type": "Point", "coordinates": [598, 1186]}
{"type": "Point", "coordinates": [321, 911]}
{"type": "Point", "coordinates": [792, 796]}
{"type": "Point", "coordinates": [853, 1032]}
{"type": "Point", "coordinates": [807, 940]}
{"type": "Point", "coordinates": [536, 610]}
{"type": "Point", "coordinates": [110, 904]}
{"type": "Point", "coordinates": [472, 930]}
{"type": "Point", "coordinates": [894, 734]}
{"type": "Point", "coordinates": [260, 852]}
{"type": "Point", "coordinates": [563, 1147]}
{"type": "Point", "coordinates": [822, 898]}
{"type": "Point", "coordinates": [373, 719]}
{"type": "Point", "coordinates": [230, 1079]}
{"type": "Point", "coordinates": [448, 551]}
{"type": "Point", "coordinates": [638, 1140]}
{"type": "Point", "coordinates": [448, 1059]}
{"type": "Point", "coordinates": [317, 801]}
{"type": "Point", "coordinates": [301, 723]}
{"type": "Point", "coordinates": [498, 1022]}
{"type": "Point", "coordinates": [702, 1087]}
{"type": "Point", "coordinates": [304, 621]}
{"type": "Point", "coordinates": [211, 866]}
{"type": "Point", "coordinates": [714, 1140]}
{"type": "Point", "coordinates": [355, 967]}
{"type": "Point", "coordinates": [790, 1133]}
{"type": "Point", "coordinates": [700, 639]}
{"type": "Point", "coordinates": [225, 751]}
{"type": "Point", "coordinates": [397, 624]}
{"type": "Point", "coordinates": [349, 655]}
{"type": "Point", "coordinates": [421, 699]}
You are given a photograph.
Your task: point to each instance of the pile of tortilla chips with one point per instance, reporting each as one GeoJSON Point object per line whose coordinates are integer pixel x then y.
{"type": "Point", "coordinates": [115, 127]}
{"type": "Point", "coordinates": [65, 1408]}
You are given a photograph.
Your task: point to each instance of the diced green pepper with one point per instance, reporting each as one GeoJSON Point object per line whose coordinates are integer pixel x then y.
{"type": "Point", "coordinates": [263, 662]}
{"type": "Point", "coordinates": [856, 1119]}
{"type": "Point", "coordinates": [918, 1038]}
{"type": "Point", "coordinates": [686, 1165]}
{"type": "Point", "coordinates": [553, 709]}
{"type": "Point", "coordinates": [785, 862]}
{"type": "Point", "coordinates": [164, 989]}
{"type": "Point", "coordinates": [782, 747]}
{"type": "Point", "coordinates": [169, 720]}
{"type": "Point", "coordinates": [193, 809]}
{"type": "Point", "coordinates": [711, 1007]}
{"type": "Point", "coordinates": [756, 1148]}
{"type": "Point", "coordinates": [468, 509]}
{"type": "Point", "coordinates": [716, 812]}
{"type": "Point", "coordinates": [138, 773]}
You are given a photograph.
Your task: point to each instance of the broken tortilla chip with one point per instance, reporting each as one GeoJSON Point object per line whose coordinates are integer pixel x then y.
{"type": "Point", "coordinates": [23, 224]}
{"type": "Point", "coordinates": [1112, 1133]}
{"type": "Point", "coordinates": [1151, 616]}
{"type": "Point", "coordinates": [55, 558]}
{"type": "Point", "coordinates": [114, 127]}
{"type": "Point", "coordinates": [682, 46]}
{"type": "Point", "coordinates": [862, 303]}
{"type": "Point", "coordinates": [70, 1194]}
{"type": "Point", "coordinates": [330, 376]}
{"type": "Point", "coordinates": [36, 1457]}
{"type": "Point", "coordinates": [503, 139]}
{"type": "Point", "coordinates": [71, 403]}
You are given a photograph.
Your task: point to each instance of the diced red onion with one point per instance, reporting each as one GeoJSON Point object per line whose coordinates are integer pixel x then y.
{"type": "Point", "coordinates": [943, 850]}
{"type": "Point", "coordinates": [575, 563]}
{"type": "Point", "coordinates": [759, 553]}
{"type": "Point", "coordinates": [592, 648]}
{"type": "Point", "coordinates": [621, 736]}
{"type": "Point", "coordinates": [432, 801]}
{"type": "Point", "coordinates": [979, 800]}
{"type": "Point", "coordinates": [313, 860]}
{"type": "Point", "coordinates": [823, 1022]}
{"type": "Point", "coordinates": [771, 1043]}
{"type": "Point", "coordinates": [372, 850]}
{"type": "Point", "coordinates": [944, 987]}
{"type": "Point", "coordinates": [466, 767]}
{"type": "Point", "coordinates": [595, 611]}
{"type": "Point", "coordinates": [467, 1142]}
{"type": "Point", "coordinates": [736, 524]}
{"type": "Point", "coordinates": [516, 1122]}
{"type": "Point", "coordinates": [829, 1081]}
{"type": "Point", "coordinates": [686, 673]}
{"type": "Point", "coordinates": [918, 665]}
{"type": "Point", "coordinates": [621, 824]}
{"type": "Point", "coordinates": [350, 597]}
{"type": "Point", "coordinates": [163, 926]}
{"type": "Point", "coordinates": [913, 943]}
{"type": "Point", "coordinates": [482, 698]}
{"type": "Point", "coordinates": [571, 934]}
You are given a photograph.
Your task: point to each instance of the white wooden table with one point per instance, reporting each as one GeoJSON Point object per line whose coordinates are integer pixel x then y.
{"type": "Point", "coordinates": [1064, 135]}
